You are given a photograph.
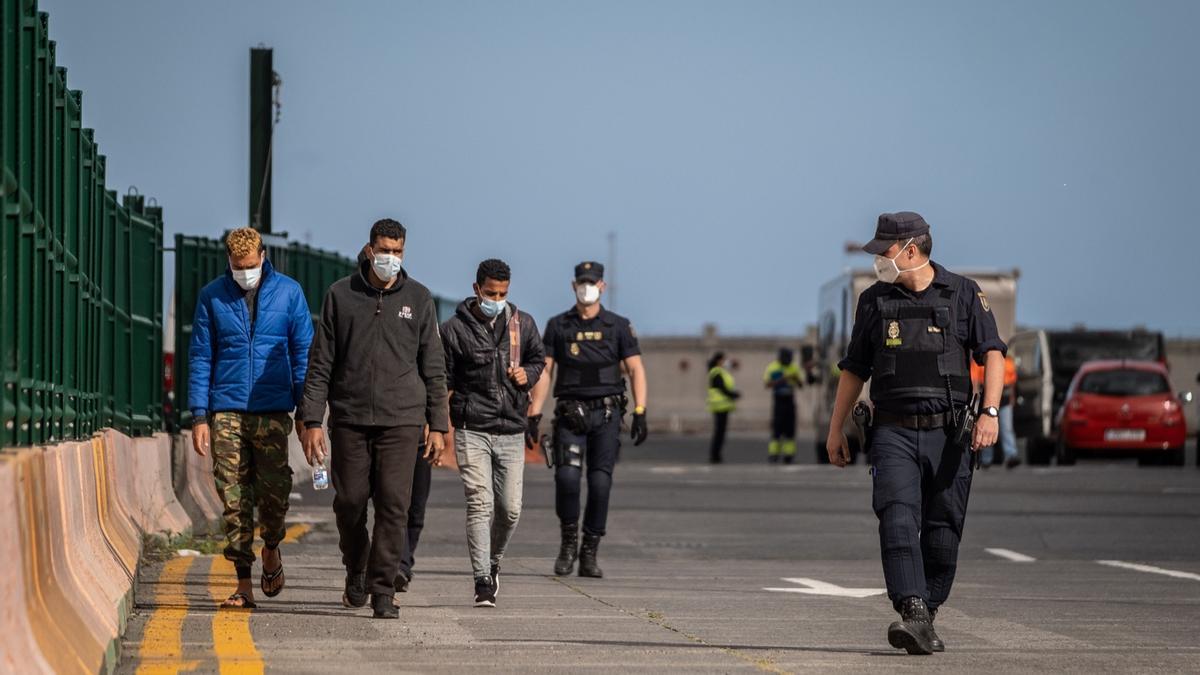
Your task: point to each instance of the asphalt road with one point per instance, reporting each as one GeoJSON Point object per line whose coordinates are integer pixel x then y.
{"type": "Point", "coordinates": [1091, 568]}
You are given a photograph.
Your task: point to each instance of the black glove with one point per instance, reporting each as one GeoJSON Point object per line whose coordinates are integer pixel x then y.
{"type": "Point", "coordinates": [531, 431]}
{"type": "Point", "coordinates": [637, 429]}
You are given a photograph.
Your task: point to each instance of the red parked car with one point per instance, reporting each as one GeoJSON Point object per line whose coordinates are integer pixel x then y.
{"type": "Point", "coordinates": [1122, 408]}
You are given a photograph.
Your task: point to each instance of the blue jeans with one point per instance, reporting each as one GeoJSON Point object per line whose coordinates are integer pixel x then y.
{"type": "Point", "coordinates": [1008, 438]}
{"type": "Point", "coordinates": [492, 468]}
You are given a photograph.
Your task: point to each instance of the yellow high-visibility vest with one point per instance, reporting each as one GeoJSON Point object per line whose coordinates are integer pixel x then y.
{"type": "Point", "coordinates": [719, 401]}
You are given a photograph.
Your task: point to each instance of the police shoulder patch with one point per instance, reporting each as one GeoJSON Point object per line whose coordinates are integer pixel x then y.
{"type": "Point", "coordinates": [984, 301]}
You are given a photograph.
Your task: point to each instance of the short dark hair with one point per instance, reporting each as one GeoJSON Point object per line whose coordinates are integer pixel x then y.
{"type": "Point", "coordinates": [492, 268]}
{"type": "Point", "coordinates": [924, 243]}
{"type": "Point", "coordinates": [715, 359]}
{"type": "Point", "coordinates": [392, 229]}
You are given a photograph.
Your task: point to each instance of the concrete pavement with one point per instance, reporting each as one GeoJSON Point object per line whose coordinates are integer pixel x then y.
{"type": "Point", "coordinates": [690, 552]}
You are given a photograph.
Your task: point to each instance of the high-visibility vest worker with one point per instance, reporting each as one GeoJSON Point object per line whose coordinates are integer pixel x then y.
{"type": "Point", "coordinates": [1010, 377]}
{"type": "Point", "coordinates": [720, 390]}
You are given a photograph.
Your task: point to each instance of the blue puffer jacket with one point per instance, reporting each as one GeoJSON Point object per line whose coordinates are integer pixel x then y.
{"type": "Point", "coordinates": [231, 368]}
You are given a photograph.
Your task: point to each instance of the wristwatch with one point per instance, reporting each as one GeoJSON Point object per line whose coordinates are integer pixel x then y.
{"type": "Point", "coordinates": [991, 411]}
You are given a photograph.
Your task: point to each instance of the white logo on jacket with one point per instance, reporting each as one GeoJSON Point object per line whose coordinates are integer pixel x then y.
{"type": "Point", "coordinates": [406, 312]}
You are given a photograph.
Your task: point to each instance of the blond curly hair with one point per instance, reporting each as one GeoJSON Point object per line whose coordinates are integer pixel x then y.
{"type": "Point", "coordinates": [242, 242]}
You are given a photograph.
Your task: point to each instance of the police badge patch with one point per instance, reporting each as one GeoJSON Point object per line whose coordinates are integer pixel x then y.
{"type": "Point", "coordinates": [893, 334]}
{"type": "Point", "coordinates": [574, 349]}
{"type": "Point", "coordinates": [983, 301]}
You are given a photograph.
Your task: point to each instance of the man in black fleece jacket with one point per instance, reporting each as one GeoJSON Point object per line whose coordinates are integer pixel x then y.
{"type": "Point", "coordinates": [377, 360]}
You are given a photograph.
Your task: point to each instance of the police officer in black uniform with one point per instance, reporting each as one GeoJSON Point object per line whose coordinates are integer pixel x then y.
{"type": "Point", "coordinates": [913, 334]}
{"type": "Point", "coordinates": [589, 345]}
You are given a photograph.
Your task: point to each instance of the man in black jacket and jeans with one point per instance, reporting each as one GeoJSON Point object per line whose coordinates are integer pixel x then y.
{"type": "Point", "coordinates": [377, 360]}
{"type": "Point", "coordinates": [494, 356]}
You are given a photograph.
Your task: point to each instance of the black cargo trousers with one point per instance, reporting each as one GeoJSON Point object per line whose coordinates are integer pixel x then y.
{"type": "Point", "coordinates": [376, 464]}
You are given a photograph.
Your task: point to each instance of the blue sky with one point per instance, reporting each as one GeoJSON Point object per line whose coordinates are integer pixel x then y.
{"type": "Point", "coordinates": [734, 147]}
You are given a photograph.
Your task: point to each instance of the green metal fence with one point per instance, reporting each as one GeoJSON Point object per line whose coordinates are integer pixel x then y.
{"type": "Point", "coordinates": [80, 272]}
{"type": "Point", "coordinates": [199, 260]}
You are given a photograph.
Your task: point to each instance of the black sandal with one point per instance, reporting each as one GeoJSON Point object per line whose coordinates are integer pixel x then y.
{"type": "Point", "coordinates": [246, 602]}
{"type": "Point", "coordinates": [268, 579]}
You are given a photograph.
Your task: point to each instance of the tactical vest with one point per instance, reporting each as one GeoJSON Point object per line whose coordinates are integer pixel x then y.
{"type": "Point", "coordinates": [590, 363]}
{"type": "Point", "coordinates": [919, 348]}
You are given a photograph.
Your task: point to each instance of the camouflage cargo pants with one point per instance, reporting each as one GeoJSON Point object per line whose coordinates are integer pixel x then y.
{"type": "Point", "coordinates": [250, 463]}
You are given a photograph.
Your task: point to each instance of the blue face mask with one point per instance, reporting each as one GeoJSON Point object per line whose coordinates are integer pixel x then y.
{"type": "Point", "coordinates": [492, 308]}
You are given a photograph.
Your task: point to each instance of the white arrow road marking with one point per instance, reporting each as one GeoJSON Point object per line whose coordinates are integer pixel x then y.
{"type": "Point", "coordinates": [1010, 555]}
{"type": "Point", "coordinates": [1151, 569]}
{"type": "Point", "coordinates": [822, 588]}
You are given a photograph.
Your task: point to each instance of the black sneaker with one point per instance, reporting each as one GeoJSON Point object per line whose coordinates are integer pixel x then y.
{"type": "Point", "coordinates": [496, 579]}
{"type": "Point", "coordinates": [355, 594]}
{"type": "Point", "coordinates": [384, 606]}
{"type": "Point", "coordinates": [402, 581]}
{"type": "Point", "coordinates": [485, 593]}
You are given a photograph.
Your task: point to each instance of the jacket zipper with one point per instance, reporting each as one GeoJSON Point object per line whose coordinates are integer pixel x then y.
{"type": "Point", "coordinates": [378, 311]}
{"type": "Point", "coordinates": [249, 325]}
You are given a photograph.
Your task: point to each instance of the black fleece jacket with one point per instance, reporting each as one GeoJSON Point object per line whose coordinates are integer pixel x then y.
{"type": "Point", "coordinates": [376, 357]}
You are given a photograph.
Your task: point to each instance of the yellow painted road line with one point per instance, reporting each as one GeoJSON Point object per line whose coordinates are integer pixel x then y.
{"type": "Point", "coordinates": [161, 651]}
{"type": "Point", "coordinates": [290, 536]}
{"type": "Point", "coordinates": [294, 532]}
{"type": "Point", "coordinates": [232, 641]}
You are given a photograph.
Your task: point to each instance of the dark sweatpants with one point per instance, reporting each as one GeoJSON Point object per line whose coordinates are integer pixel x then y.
{"type": "Point", "coordinates": [920, 495]}
{"type": "Point", "coordinates": [422, 480]}
{"type": "Point", "coordinates": [373, 463]}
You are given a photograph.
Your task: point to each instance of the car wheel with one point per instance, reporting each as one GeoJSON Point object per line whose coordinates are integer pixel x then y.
{"type": "Point", "coordinates": [1065, 454]}
{"type": "Point", "coordinates": [1173, 457]}
{"type": "Point", "coordinates": [1036, 451]}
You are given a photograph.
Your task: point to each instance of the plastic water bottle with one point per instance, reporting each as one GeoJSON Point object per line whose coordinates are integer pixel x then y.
{"type": "Point", "coordinates": [320, 476]}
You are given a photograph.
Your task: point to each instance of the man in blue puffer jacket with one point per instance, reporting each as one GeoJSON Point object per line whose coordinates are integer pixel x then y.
{"type": "Point", "coordinates": [247, 363]}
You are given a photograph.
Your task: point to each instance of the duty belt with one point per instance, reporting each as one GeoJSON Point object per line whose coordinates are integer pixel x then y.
{"type": "Point", "coordinates": [915, 422]}
{"type": "Point", "coordinates": [602, 402]}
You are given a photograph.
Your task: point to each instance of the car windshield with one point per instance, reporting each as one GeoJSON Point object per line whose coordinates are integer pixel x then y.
{"type": "Point", "coordinates": [1124, 383]}
{"type": "Point", "coordinates": [1072, 350]}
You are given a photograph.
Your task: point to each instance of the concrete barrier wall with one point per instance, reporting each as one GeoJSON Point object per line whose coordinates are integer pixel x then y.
{"type": "Point", "coordinates": [195, 486]}
{"type": "Point", "coordinates": [72, 518]}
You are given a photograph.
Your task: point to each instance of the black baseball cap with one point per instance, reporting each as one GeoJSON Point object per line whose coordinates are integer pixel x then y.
{"type": "Point", "coordinates": [895, 226]}
{"type": "Point", "coordinates": [589, 271]}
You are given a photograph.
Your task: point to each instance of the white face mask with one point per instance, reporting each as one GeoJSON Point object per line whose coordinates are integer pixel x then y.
{"type": "Point", "coordinates": [888, 271]}
{"type": "Point", "coordinates": [386, 266]}
{"type": "Point", "coordinates": [587, 294]}
{"type": "Point", "coordinates": [247, 279]}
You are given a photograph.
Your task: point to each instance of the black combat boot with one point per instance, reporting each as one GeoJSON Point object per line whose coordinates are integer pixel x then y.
{"type": "Point", "coordinates": [587, 557]}
{"type": "Point", "coordinates": [938, 645]}
{"type": "Point", "coordinates": [914, 631]}
{"type": "Point", "coordinates": [569, 552]}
